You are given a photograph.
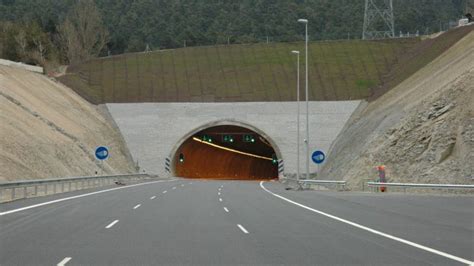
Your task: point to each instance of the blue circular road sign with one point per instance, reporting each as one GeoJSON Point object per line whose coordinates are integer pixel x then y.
{"type": "Point", "coordinates": [101, 153]}
{"type": "Point", "coordinates": [318, 157]}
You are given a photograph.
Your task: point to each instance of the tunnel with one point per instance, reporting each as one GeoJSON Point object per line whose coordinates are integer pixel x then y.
{"type": "Point", "coordinates": [226, 152]}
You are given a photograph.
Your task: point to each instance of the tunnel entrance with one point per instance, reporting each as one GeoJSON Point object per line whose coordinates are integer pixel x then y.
{"type": "Point", "coordinates": [226, 152]}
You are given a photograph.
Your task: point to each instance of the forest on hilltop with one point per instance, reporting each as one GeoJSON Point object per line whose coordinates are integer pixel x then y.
{"type": "Point", "coordinates": [45, 28]}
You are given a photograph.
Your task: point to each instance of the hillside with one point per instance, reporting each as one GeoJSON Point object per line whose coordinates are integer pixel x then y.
{"type": "Point", "coordinates": [47, 131]}
{"type": "Point", "coordinates": [422, 130]}
{"type": "Point", "coordinates": [133, 25]}
{"type": "Point", "coordinates": [339, 70]}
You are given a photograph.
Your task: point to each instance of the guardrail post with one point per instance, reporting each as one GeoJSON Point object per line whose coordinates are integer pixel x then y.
{"type": "Point", "coordinates": [36, 190]}
{"type": "Point", "coordinates": [25, 192]}
{"type": "Point", "coordinates": [13, 193]}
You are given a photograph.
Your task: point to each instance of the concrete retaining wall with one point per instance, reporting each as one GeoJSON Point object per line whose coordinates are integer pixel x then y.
{"type": "Point", "coordinates": [154, 131]}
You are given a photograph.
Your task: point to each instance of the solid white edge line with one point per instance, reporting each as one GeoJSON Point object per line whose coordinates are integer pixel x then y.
{"type": "Point", "coordinates": [64, 261]}
{"type": "Point", "coordinates": [137, 206]}
{"type": "Point", "coordinates": [112, 224]}
{"type": "Point", "coordinates": [243, 229]}
{"type": "Point", "coordinates": [401, 240]}
{"type": "Point", "coordinates": [79, 196]}
{"type": "Point", "coordinates": [225, 209]}
{"type": "Point", "coordinates": [152, 197]}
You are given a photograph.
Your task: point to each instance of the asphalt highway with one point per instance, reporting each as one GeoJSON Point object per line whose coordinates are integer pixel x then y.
{"type": "Point", "coordinates": [204, 222]}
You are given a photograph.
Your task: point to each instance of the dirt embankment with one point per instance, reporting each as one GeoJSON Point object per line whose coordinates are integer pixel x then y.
{"type": "Point", "coordinates": [422, 130]}
{"type": "Point", "coordinates": [47, 131]}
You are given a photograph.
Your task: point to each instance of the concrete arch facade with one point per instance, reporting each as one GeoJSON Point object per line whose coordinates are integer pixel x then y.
{"type": "Point", "coordinates": [153, 131]}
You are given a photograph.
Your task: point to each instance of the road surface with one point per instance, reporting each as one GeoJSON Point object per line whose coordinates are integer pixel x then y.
{"type": "Point", "coordinates": [190, 222]}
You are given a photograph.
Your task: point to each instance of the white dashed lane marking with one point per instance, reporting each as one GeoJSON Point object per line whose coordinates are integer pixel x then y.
{"type": "Point", "coordinates": [137, 206]}
{"type": "Point", "coordinates": [220, 199]}
{"type": "Point", "coordinates": [112, 224]}
{"type": "Point", "coordinates": [243, 229]}
{"type": "Point", "coordinates": [153, 197]}
{"type": "Point", "coordinates": [164, 192]}
{"type": "Point", "coordinates": [64, 261]}
{"type": "Point", "coordinates": [226, 210]}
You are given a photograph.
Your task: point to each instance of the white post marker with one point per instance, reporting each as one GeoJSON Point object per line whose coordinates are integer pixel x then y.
{"type": "Point", "coordinates": [64, 261]}
{"type": "Point", "coordinates": [368, 229]}
{"type": "Point", "coordinates": [112, 224]}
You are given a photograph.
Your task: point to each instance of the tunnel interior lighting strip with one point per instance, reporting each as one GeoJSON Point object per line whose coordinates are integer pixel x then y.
{"type": "Point", "coordinates": [232, 150]}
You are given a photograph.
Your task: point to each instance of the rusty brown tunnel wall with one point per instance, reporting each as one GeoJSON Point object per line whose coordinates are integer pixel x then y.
{"type": "Point", "coordinates": [205, 161]}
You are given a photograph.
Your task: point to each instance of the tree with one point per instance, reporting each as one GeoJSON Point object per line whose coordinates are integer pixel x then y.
{"type": "Point", "coordinates": [83, 35]}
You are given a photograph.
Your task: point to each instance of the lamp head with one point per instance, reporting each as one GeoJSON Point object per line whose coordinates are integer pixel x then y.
{"type": "Point", "coordinates": [302, 20]}
{"type": "Point", "coordinates": [295, 52]}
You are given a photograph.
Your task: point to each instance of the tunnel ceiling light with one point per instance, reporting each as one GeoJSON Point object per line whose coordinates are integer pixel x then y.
{"type": "Point", "coordinates": [232, 150]}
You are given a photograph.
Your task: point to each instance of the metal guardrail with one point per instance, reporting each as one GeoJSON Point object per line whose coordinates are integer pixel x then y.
{"type": "Point", "coordinates": [324, 182]}
{"type": "Point", "coordinates": [412, 185]}
{"type": "Point", "coordinates": [41, 187]}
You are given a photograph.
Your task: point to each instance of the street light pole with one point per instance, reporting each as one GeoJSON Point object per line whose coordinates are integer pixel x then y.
{"type": "Point", "coordinates": [298, 115]}
{"type": "Point", "coordinates": [305, 21]}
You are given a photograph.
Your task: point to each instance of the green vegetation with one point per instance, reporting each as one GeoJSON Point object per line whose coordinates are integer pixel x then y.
{"type": "Point", "coordinates": [339, 70]}
{"type": "Point", "coordinates": [165, 24]}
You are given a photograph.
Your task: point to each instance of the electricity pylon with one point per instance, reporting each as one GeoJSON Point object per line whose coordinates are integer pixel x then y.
{"type": "Point", "coordinates": [378, 20]}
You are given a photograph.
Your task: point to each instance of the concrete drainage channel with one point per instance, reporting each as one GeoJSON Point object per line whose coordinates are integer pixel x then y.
{"type": "Point", "coordinates": [10, 191]}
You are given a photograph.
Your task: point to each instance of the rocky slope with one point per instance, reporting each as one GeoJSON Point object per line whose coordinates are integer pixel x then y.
{"type": "Point", "coordinates": [422, 130]}
{"type": "Point", "coordinates": [47, 131]}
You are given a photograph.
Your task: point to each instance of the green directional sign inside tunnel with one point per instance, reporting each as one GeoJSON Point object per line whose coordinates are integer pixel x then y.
{"type": "Point", "coordinates": [228, 138]}
{"type": "Point", "coordinates": [206, 138]}
{"type": "Point", "coordinates": [249, 138]}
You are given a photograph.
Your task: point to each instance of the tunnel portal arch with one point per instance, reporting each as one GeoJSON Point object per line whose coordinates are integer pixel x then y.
{"type": "Point", "coordinates": [223, 122]}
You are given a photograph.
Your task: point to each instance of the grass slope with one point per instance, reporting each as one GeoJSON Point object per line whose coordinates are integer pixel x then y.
{"type": "Point", "coordinates": [338, 70]}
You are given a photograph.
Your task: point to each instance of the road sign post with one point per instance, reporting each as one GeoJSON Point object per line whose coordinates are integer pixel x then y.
{"type": "Point", "coordinates": [101, 154]}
